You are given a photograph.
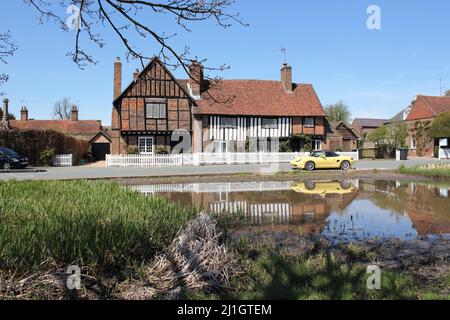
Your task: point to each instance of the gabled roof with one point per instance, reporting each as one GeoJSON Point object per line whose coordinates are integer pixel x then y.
{"type": "Point", "coordinates": [148, 66]}
{"type": "Point", "coordinates": [399, 117]}
{"type": "Point", "coordinates": [433, 106]}
{"type": "Point", "coordinates": [345, 130]}
{"type": "Point", "coordinates": [68, 127]}
{"type": "Point", "coordinates": [257, 98]}
{"type": "Point", "coordinates": [370, 123]}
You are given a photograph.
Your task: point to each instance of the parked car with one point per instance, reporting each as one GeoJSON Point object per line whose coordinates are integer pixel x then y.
{"type": "Point", "coordinates": [323, 160]}
{"type": "Point", "coordinates": [9, 159]}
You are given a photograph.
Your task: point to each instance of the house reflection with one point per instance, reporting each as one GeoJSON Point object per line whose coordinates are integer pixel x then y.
{"type": "Point", "coordinates": [354, 208]}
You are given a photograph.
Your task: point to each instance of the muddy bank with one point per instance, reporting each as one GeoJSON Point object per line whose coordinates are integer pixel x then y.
{"type": "Point", "coordinates": [297, 176]}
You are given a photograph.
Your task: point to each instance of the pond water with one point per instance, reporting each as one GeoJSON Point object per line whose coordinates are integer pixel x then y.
{"type": "Point", "coordinates": [338, 210]}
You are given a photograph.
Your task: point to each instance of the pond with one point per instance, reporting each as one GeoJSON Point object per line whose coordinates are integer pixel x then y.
{"type": "Point", "coordinates": [338, 210]}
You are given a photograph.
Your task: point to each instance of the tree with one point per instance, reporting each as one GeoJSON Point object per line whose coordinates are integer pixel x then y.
{"type": "Point", "coordinates": [127, 17]}
{"type": "Point", "coordinates": [389, 137]}
{"type": "Point", "coordinates": [7, 49]}
{"type": "Point", "coordinates": [62, 109]}
{"type": "Point", "coordinates": [441, 126]}
{"type": "Point", "coordinates": [338, 112]}
{"type": "Point", "coordinates": [447, 93]}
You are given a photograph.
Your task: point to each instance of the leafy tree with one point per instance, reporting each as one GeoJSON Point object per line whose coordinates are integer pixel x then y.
{"type": "Point", "coordinates": [441, 126]}
{"type": "Point", "coordinates": [338, 112]}
{"type": "Point", "coordinates": [62, 109]}
{"type": "Point", "coordinates": [389, 137]}
{"type": "Point", "coordinates": [447, 93]}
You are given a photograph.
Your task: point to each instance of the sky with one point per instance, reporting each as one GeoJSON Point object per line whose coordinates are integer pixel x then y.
{"type": "Point", "coordinates": [328, 44]}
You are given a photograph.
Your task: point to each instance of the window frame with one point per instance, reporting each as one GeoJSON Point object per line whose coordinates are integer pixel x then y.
{"type": "Point", "coordinates": [269, 126]}
{"type": "Point", "coordinates": [315, 141]}
{"type": "Point", "coordinates": [162, 106]}
{"type": "Point", "coordinates": [228, 125]}
{"type": "Point", "coordinates": [146, 138]}
{"type": "Point", "coordinates": [413, 143]}
{"type": "Point", "coordinates": [309, 125]}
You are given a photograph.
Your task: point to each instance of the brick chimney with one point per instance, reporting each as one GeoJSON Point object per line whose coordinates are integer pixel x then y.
{"type": "Point", "coordinates": [74, 114]}
{"type": "Point", "coordinates": [195, 79]}
{"type": "Point", "coordinates": [117, 78]}
{"type": "Point", "coordinates": [136, 74]}
{"type": "Point", "coordinates": [5, 118]}
{"type": "Point", "coordinates": [24, 114]}
{"type": "Point", "coordinates": [286, 77]}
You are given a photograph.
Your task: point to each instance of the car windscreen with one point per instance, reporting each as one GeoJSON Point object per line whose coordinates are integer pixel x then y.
{"type": "Point", "coordinates": [317, 154]}
{"type": "Point", "coordinates": [8, 152]}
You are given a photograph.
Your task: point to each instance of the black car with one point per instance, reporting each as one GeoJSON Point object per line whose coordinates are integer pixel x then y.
{"type": "Point", "coordinates": [10, 159]}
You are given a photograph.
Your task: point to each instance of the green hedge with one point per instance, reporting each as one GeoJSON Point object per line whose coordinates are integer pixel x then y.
{"type": "Point", "coordinates": [36, 144]}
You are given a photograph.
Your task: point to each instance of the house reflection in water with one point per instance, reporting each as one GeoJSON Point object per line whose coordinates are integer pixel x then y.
{"type": "Point", "coordinates": [336, 209]}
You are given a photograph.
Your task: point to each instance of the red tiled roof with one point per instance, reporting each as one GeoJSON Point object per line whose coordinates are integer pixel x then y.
{"type": "Point", "coordinates": [370, 123]}
{"type": "Point", "coordinates": [86, 127]}
{"type": "Point", "coordinates": [257, 98]}
{"type": "Point", "coordinates": [432, 108]}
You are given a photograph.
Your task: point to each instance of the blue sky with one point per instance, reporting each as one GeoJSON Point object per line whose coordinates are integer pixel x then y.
{"type": "Point", "coordinates": [375, 72]}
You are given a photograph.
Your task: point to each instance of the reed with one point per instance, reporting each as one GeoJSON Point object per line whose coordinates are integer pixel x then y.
{"type": "Point", "coordinates": [441, 170]}
{"type": "Point", "coordinates": [99, 225]}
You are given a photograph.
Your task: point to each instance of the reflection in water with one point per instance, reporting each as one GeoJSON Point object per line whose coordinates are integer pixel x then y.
{"type": "Point", "coordinates": [356, 209]}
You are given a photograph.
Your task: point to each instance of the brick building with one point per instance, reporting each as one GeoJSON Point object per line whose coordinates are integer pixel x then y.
{"type": "Point", "coordinates": [217, 114]}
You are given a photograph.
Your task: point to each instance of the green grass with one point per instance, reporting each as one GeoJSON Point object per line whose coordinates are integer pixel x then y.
{"type": "Point", "coordinates": [432, 171]}
{"type": "Point", "coordinates": [95, 224]}
{"type": "Point", "coordinates": [318, 274]}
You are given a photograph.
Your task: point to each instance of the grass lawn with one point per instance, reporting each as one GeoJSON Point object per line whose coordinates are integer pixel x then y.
{"type": "Point", "coordinates": [431, 170]}
{"type": "Point", "coordinates": [99, 225]}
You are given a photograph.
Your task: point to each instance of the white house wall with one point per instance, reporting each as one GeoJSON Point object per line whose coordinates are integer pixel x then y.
{"type": "Point", "coordinates": [248, 128]}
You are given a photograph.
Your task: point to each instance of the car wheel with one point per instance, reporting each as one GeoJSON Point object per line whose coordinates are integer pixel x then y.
{"type": "Point", "coordinates": [345, 165]}
{"type": "Point", "coordinates": [6, 166]}
{"type": "Point", "coordinates": [310, 166]}
{"type": "Point", "coordinates": [345, 184]}
{"type": "Point", "coordinates": [310, 185]}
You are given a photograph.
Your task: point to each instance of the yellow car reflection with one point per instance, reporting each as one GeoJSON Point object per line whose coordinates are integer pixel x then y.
{"type": "Point", "coordinates": [323, 160]}
{"type": "Point", "coordinates": [324, 187]}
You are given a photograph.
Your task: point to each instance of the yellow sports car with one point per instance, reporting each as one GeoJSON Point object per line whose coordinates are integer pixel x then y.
{"type": "Point", "coordinates": [323, 160]}
{"type": "Point", "coordinates": [324, 187]}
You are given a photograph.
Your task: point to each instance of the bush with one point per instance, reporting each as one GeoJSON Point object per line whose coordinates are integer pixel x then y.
{"type": "Point", "coordinates": [33, 143]}
{"type": "Point", "coordinates": [46, 156]}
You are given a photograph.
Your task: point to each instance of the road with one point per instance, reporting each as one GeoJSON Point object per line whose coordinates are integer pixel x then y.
{"type": "Point", "coordinates": [93, 172]}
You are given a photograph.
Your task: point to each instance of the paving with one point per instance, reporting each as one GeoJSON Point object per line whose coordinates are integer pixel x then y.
{"type": "Point", "coordinates": [102, 172]}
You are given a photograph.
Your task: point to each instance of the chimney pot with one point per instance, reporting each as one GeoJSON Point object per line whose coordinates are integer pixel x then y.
{"type": "Point", "coordinates": [5, 118]}
{"type": "Point", "coordinates": [74, 114]}
{"type": "Point", "coordinates": [24, 114]}
{"type": "Point", "coordinates": [136, 74]}
{"type": "Point", "coordinates": [117, 78]}
{"type": "Point", "coordinates": [286, 77]}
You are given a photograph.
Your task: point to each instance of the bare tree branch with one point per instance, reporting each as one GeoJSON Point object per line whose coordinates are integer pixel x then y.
{"type": "Point", "coordinates": [127, 16]}
{"type": "Point", "coordinates": [7, 49]}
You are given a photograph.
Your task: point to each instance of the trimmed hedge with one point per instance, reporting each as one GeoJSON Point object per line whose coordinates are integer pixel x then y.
{"type": "Point", "coordinates": [34, 143]}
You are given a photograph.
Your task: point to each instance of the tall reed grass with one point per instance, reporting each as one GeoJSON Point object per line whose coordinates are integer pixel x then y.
{"type": "Point", "coordinates": [95, 224]}
{"type": "Point", "coordinates": [441, 170]}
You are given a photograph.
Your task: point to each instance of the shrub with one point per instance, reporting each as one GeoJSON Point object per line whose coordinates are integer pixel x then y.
{"type": "Point", "coordinates": [45, 157]}
{"type": "Point", "coordinates": [32, 143]}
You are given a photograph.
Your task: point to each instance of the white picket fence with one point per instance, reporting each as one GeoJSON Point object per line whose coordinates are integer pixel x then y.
{"type": "Point", "coordinates": [444, 153]}
{"type": "Point", "coordinates": [62, 160]}
{"type": "Point", "coordinates": [198, 159]}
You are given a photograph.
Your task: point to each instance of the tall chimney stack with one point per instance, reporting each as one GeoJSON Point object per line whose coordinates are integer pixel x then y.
{"type": "Point", "coordinates": [24, 114]}
{"type": "Point", "coordinates": [5, 118]}
{"type": "Point", "coordinates": [286, 77]}
{"type": "Point", "coordinates": [196, 78]}
{"type": "Point", "coordinates": [136, 74]}
{"type": "Point", "coordinates": [74, 114]}
{"type": "Point", "coordinates": [117, 78]}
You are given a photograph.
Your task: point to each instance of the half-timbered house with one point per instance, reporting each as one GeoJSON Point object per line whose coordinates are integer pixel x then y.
{"type": "Point", "coordinates": [216, 114]}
